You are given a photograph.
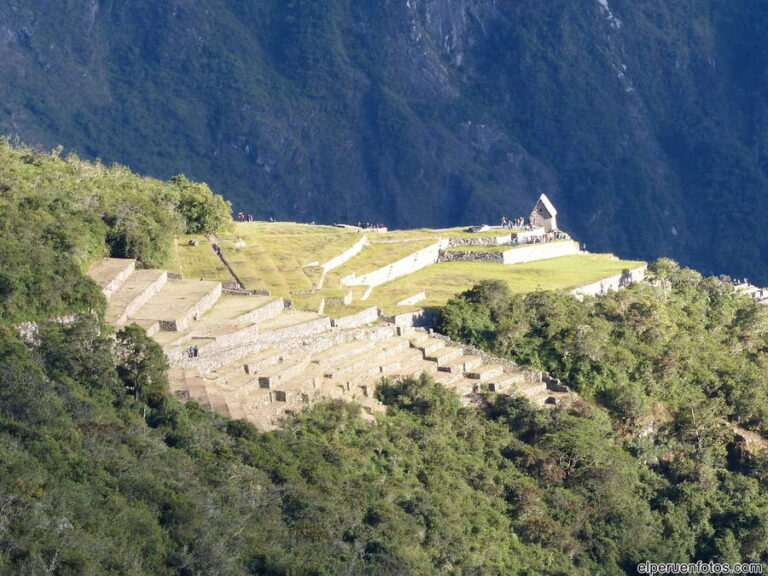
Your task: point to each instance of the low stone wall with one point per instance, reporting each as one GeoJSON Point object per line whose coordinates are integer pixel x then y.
{"type": "Point", "coordinates": [174, 276]}
{"type": "Point", "coordinates": [345, 300]}
{"type": "Point", "coordinates": [410, 301]}
{"type": "Point", "coordinates": [612, 283]}
{"type": "Point", "coordinates": [337, 261]}
{"type": "Point", "coordinates": [420, 317]}
{"type": "Point", "coordinates": [361, 318]}
{"type": "Point", "coordinates": [408, 265]}
{"type": "Point", "coordinates": [118, 280]}
{"type": "Point", "coordinates": [269, 310]}
{"type": "Point", "coordinates": [471, 256]}
{"type": "Point", "coordinates": [541, 251]}
{"type": "Point", "coordinates": [141, 299]}
{"type": "Point", "coordinates": [242, 292]}
{"type": "Point", "coordinates": [482, 240]}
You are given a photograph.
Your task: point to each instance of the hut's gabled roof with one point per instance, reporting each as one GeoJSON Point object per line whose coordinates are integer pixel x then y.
{"type": "Point", "coordinates": [547, 205]}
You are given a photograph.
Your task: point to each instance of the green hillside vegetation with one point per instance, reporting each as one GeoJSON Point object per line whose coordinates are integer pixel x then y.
{"type": "Point", "coordinates": [59, 215]}
{"type": "Point", "coordinates": [106, 473]}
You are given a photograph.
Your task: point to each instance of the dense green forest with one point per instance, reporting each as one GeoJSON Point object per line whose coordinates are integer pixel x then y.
{"type": "Point", "coordinates": [645, 121]}
{"type": "Point", "coordinates": [104, 472]}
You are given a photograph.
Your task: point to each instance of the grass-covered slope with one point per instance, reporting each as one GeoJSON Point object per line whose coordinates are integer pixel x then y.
{"type": "Point", "coordinates": [285, 258]}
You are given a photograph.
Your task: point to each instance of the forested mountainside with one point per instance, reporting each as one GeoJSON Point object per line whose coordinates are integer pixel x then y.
{"type": "Point", "coordinates": [105, 472]}
{"type": "Point", "coordinates": [645, 121]}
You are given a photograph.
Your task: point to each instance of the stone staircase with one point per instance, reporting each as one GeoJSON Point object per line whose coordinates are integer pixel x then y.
{"type": "Point", "coordinates": [258, 361]}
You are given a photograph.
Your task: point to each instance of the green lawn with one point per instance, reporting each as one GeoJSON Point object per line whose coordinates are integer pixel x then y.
{"type": "Point", "coordinates": [442, 281]}
{"type": "Point", "coordinates": [197, 261]}
{"type": "Point", "coordinates": [277, 255]}
{"type": "Point", "coordinates": [376, 255]}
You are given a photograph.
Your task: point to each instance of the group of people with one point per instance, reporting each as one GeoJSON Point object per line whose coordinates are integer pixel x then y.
{"type": "Point", "coordinates": [242, 217]}
{"type": "Point", "coordinates": [512, 223]}
{"type": "Point", "coordinates": [538, 239]}
{"type": "Point", "coordinates": [369, 226]}
{"type": "Point", "coordinates": [192, 352]}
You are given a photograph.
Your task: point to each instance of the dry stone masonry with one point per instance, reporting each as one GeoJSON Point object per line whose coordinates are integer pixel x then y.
{"type": "Point", "coordinates": [249, 357]}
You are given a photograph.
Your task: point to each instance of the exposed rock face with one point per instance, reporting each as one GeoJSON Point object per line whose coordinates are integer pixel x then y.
{"type": "Point", "coordinates": [644, 122]}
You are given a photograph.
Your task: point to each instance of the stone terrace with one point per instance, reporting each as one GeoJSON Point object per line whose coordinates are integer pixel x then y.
{"type": "Point", "coordinates": [259, 361]}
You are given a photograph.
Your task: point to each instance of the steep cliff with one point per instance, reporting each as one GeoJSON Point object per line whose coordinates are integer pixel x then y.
{"type": "Point", "coordinates": [645, 121]}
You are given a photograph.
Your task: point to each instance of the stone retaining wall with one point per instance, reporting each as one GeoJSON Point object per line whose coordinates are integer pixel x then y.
{"type": "Point", "coordinates": [250, 339]}
{"type": "Point", "coordinates": [541, 251]}
{"type": "Point", "coordinates": [269, 310]}
{"type": "Point", "coordinates": [361, 318]}
{"type": "Point", "coordinates": [223, 342]}
{"type": "Point", "coordinates": [612, 283]}
{"type": "Point", "coordinates": [516, 255]}
{"type": "Point", "coordinates": [310, 344]}
{"type": "Point", "coordinates": [408, 265]}
{"type": "Point", "coordinates": [337, 261]}
{"type": "Point", "coordinates": [118, 280]}
{"type": "Point", "coordinates": [471, 256]}
{"type": "Point", "coordinates": [420, 317]}
{"type": "Point", "coordinates": [524, 235]}
{"type": "Point", "coordinates": [149, 293]}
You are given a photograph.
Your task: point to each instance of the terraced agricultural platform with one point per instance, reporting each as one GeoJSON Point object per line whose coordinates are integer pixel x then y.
{"type": "Point", "coordinates": [250, 357]}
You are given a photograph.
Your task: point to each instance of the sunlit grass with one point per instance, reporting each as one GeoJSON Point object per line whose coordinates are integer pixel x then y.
{"type": "Point", "coordinates": [276, 256]}
{"type": "Point", "coordinates": [375, 256]}
{"type": "Point", "coordinates": [197, 261]}
{"type": "Point", "coordinates": [442, 281]}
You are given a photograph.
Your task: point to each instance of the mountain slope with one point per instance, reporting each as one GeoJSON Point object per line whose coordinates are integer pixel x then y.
{"type": "Point", "coordinates": [644, 121]}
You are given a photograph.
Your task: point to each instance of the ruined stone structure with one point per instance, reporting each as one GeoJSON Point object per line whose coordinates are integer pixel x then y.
{"type": "Point", "coordinates": [255, 359]}
{"type": "Point", "coordinates": [544, 214]}
{"type": "Point", "coordinates": [516, 255]}
{"type": "Point", "coordinates": [612, 283]}
{"type": "Point", "coordinates": [251, 356]}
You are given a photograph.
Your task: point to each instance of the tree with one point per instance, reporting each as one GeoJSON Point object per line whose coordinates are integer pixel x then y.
{"type": "Point", "coordinates": [142, 366]}
{"type": "Point", "coordinates": [204, 211]}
